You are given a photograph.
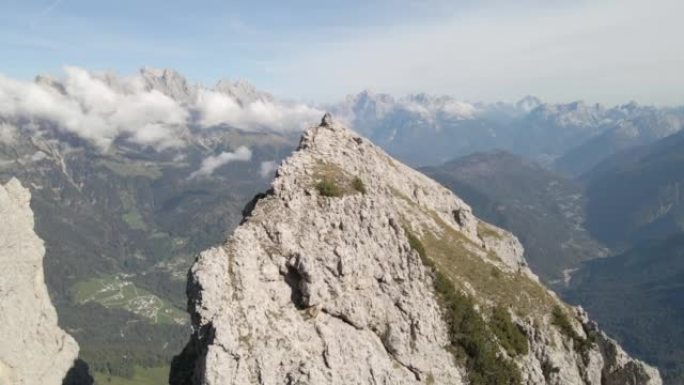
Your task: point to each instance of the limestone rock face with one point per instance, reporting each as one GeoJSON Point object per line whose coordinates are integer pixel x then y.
{"type": "Point", "coordinates": [321, 284]}
{"type": "Point", "coordinates": [33, 349]}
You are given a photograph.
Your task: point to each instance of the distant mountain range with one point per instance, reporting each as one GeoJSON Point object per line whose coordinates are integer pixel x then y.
{"type": "Point", "coordinates": [571, 138]}
{"type": "Point", "coordinates": [161, 110]}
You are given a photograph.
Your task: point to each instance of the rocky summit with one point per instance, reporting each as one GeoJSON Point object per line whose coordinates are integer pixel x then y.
{"type": "Point", "coordinates": [33, 349]}
{"type": "Point", "coordinates": [356, 269]}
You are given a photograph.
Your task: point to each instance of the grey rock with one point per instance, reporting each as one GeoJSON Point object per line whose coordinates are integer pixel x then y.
{"type": "Point", "coordinates": [33, 349]}
{"type": "Point", "coordinates": [318, 289]}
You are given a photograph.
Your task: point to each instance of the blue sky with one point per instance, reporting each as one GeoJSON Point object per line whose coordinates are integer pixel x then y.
{"type": "Point", "coordinates": [608, 51]}
{"type": "Point", "coordinates": [204, 39]}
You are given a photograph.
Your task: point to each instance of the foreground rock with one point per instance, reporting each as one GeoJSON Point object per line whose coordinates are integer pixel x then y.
{"type": "Point", "coordinates": [355, 269]}
{"type": "Point", "coordinates": [33, 349]}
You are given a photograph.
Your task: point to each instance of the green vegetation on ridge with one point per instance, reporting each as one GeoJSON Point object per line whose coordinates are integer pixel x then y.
{"type": "Point", "coordinates": [328, 188]}
{"type": "Point", "coordinates": [453, 254]}
{"type": "Point", "coordinates": [510, 336]}
{"type": "Point", "coordinates": [473, 339]}
{"type": "Point", "coordinates": [561, 320]}
{"type": "Point", "coordinates": [332, 181]}
{"type": "Point", "coordinates": [358, 185]}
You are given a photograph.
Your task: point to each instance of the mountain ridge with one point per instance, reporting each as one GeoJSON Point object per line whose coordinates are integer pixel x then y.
{"type": "Point", "coordinates": [342, 269]}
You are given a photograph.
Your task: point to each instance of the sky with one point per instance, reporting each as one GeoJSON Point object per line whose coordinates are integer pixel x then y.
{"type": "Point", "coordinates": [608, 51]}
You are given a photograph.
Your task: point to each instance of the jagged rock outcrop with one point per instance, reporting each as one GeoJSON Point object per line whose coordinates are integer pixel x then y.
{"type": "Point", "coordinates": [354, 269]}
{"type": "Point", "coordinates": [33, 349]}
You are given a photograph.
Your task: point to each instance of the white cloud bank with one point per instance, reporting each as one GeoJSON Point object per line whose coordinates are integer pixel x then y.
{"type": "Point", "coordinates": [102, 108]}
{"type": "Point", "coordinates": [210, 164]}
{"type": "Point", "coordinates": [216, 108]}
{"type": "Point", "coordinates": [94, 110]}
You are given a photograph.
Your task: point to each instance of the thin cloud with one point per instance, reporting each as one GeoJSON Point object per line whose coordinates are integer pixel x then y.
{"type": "Point", "coordinates": [8, 133]}
{"type": "Point", "coordinates": [267, 168]}
{"type": "Point", "coordinates": [45, 12]}
{"type": "Point", "coordinates": [607, 51]}
{"type": "Point", "coordinates": [50, 7]}
{"type": "Point", "coordinates": [212, 163]}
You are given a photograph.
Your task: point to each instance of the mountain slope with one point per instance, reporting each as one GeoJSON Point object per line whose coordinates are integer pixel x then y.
{"type": "Point", "coordinates": [120, 232]}
{"type": "Point", "coordinates": [637, 195]}
{"type": "Point", "coordinates": [543, 209]}
{"type": "Point", "coordinates": [121, 224]}
{"type": "Point", "coordinates": [34, 350]}
{"type": "Point", "coordinates": [354, 268]}
{"type": "Point", "coordinates": [634, 204]}
{"type": "Point", "coordinates": [638, 297]}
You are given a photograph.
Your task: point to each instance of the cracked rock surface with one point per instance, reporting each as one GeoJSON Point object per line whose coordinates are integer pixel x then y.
{"type": "Point", "coordinates": [319, 284]}
{"type": "Point", "coordinates": [33, 349]}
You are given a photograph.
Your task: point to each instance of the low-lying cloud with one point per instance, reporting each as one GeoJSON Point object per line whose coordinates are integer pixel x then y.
{"type": "Point", "coordinates": [211, 163]}
{"type": "Point", "coordinates": [102, 108]}
{"type": "Point", "coordinates": [267, 168]}
{"type": "Point", "coordinates": [8, 133]}
{"type": "Point", "coordinates": [87, 106]}
{"type": "Point", "coordinates": [216, 108]}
